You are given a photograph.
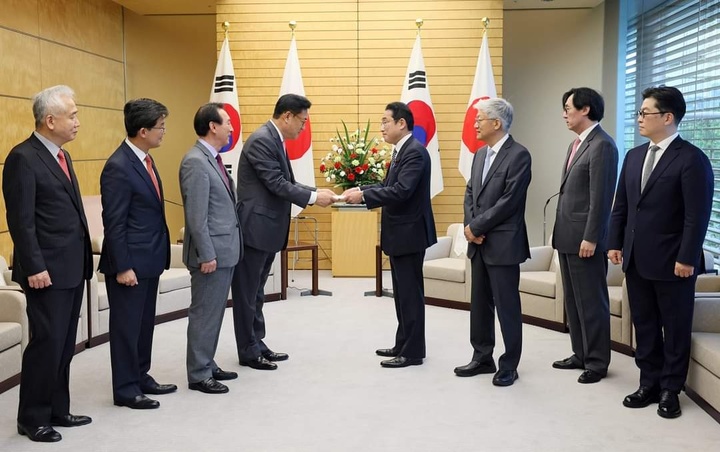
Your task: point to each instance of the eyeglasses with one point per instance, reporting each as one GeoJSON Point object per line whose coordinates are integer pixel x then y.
{"type": "Point", "coordinates": [302, 120]}
{"type": "Point", "coordinates": [384, 122]}
{"type": "Point", "coordinates": [158, 128]}
{"type": "Point", "coordinates": [642, 113]}
{"type": "Point", "coordinates": [479, 120]}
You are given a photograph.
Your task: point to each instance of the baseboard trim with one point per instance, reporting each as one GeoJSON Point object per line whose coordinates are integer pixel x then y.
{"type": "Point", "coordinates": [545, 323]}
{"type": "Point", "coordinates": [702, 403]}
{"type": "Point", "coordinates": [9, 383]}
{"type": "Point", "coordinates": [452, 304]}
{"type": "Point", "coordinates": [622, 348]}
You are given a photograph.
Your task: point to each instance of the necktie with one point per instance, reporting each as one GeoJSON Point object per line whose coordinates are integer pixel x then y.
{"type": "Point", "coordinates": [576, 145]}
{"type": "Point", "coordinates": [223, 171]}
{"type": "Point", "coordinates": [488, 163]}
{"type": "Point", "coordinates": [63, 164]}
{"type": "Point", "coordinates": [149, 166]}
{"type": "Point", "coordinates": [393, 157]}
{"type": "Point", "coordinates": [648, 166]}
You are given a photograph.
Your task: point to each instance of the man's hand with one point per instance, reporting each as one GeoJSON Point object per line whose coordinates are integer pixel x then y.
{"type": "Point", "coordinates": [324, 197]}
{"type": "Point", "coordinates": [684, 270]}
{"type": "Point", "coordinates": [353, 195]}
{"type": "Point", "coordinates": [208, 267]}
{"type": "Point", "coordinates": [587, 249]}
{"type": "Point", "coordinates": [615, 256]}
{"type": "Point", "coordinates": [40, 280]}
{"type": "Point", "coordinates": [470, 237]}
{"type": "Point", "coordinates": [127, 278]}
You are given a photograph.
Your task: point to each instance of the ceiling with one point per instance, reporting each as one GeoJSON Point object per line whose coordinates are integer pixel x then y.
{"type": "Point", "coordinates": [153, 7]}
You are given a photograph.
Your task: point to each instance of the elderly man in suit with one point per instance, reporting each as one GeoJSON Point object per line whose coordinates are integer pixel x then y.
{"type": "Point", "coordinates": [497, 241]}
{"type": "Point", "coordinates": [135, 252]}
{"type": "Point", "coordinates": [212, 244]}
{"type": "Point", "coordinates": [407, 230]}
{"type": "Point", "coordinates": [266, 190]}
{"type": "Point", "coordinates": [52, 260]}
{"type": "Point", "coordinates": [657, 228]}
{"type": "Point", "coordinates": [587, 187]}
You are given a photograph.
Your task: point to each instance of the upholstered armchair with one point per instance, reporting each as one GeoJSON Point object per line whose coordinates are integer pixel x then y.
{"type": "Point", "coordinates": [446, 270]}
{"type": "Point", "coordinates": [541, 291]}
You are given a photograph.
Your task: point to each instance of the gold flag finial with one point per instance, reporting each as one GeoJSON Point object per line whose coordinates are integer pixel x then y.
{"type": "Point", "coordinates": [292, 24]}
{"type": "Point", "coordinates": [419, 23]}
{"type": "Point", "coordinates": [226, 27]}
{"type": "Point", "coordinates": [486, 22]}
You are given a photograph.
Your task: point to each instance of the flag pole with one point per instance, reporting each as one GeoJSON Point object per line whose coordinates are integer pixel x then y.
{"type": "Point", "coordinates": [292, 24]}
{"type": "Point", "coordinates": [419, 23]}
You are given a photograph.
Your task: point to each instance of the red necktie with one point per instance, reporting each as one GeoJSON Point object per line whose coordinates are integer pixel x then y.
{"type": "Point", "coordinates": [576, 145]}
{"type": "Point", "coordinates": [149, 166]}
{"type": "Point", "coordinates": [219, 161]}
{"type": "Point", "coordinates": [63, 164]}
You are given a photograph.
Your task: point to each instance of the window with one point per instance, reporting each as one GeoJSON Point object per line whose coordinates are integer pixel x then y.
{"type": "Point", "coordinates": [677, 43]}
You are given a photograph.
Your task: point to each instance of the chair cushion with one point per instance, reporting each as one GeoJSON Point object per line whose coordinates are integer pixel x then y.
{"type": "Point", "coordinates": [616, 294]}
{"type": "Point", "coordinates": [103, 302]}
{"type": "Point", "coordinates": [10, 335]}
{"type": "Point", "coordinates": [174, 279]}
{"type": "Point", "coordinates": [446, 269]}
{"type": "Point", "coordinates": [706, 351]}
{"type": "Point", "coordinates": [538, 283]}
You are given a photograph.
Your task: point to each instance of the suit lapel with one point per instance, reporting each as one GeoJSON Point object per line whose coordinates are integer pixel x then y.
{"type": "Point", "coordinates": [398, 161]}
{"type": "Point", "coordinates": [499, 158]}
{"type": "Point", "coordinates": [282, 155]}
{"type": "Point", "coordinates": [54, 167]}
{"type": "Point", "coordinates": [670, 154]}
{"type": "Point", "coordinates": [214, 165]}
{"type": "Point", "coordinates": [141, 169]}
{"type": "Point", "coordinates": [580, 152]}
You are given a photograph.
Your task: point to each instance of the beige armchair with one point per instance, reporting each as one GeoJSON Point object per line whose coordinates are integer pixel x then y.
{"type": "Point", "coordinates": [13, 336]}
{"type": "Point", "coordinates": [703, 382]}
{"type": "Point", "coordinates": [621, 330]}
{"type": "Point", "coordinates": [446, 271]}
{"type": "Point", "coordinates": [541, 290]}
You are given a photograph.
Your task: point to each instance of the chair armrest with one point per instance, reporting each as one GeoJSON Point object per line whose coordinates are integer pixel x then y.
{"type": "Point", "coordinates": [176, 254]}
{"type": "Point", "coordinates": [13, 308]}
{"type": "Point", "coordinates": [440, 249]}
{"type": "Point", "coordinates": [707, 283]}
{"type": "Point", "coordinates": [540, 259]}
{"type": "Point", "coordinates": [706, 318]}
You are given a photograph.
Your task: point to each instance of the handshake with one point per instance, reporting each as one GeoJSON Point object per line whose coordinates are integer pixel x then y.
{"type": "Point", "coordinates": [325, 196]}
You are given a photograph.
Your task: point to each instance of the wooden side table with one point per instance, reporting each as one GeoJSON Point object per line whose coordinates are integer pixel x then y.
{"type": "Point", "coordinates": [313, 248]}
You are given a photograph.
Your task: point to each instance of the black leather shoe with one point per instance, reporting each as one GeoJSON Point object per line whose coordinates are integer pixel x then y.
{"type": "Point", "coordinates": [475, 368]}
{"type": "Point", "coordinates": [209, 386]}
{"type": "Point", "coordinates": [401, 361]}
{"type": "Point", "coordinates": [259, 363]}
{"type": "Point", "coordinates": [42, 434]}
{"type": "Point", "coordinates": [669, 406]}
{"type": "Point", "coordinates": [272, 356]}
{"type": "Point", "coordinates": [139, 402]}
{"type": "Point", "coordinates": [567, 363]}
{"type": "Point", "coordinates": [158, 389]}
{"type": "Point", "coordinates": [221, 375]}
{"type": "Point", "coordinates": [70, 420]}
{"type": "Point", "coordinates": [389, 352]}
{"type": "Point", "coordinates": [590, 376]}
{"type": "Point", "coordinates": [505, 377]}
{"type": "Point", "coordinates": [643, 397]}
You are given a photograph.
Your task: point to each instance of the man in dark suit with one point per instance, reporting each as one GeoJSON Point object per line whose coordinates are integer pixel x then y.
{"type": "Point", "coordinates": [407, 230]}
{"type": "Point", "coordinates": [135, 252]}
{"type": "Point", "coordinates": [212, 244]}
{"type": "Point", "coordinates": [497, 241]}
{"type": "Point", "coordinates": [587, 187]}
{"type": "Point", "coordinates": [266, 190]}
{"type": "Point", "coordinates": [51, 261]}
{"type": "Point", "coordinates": [657, 228]}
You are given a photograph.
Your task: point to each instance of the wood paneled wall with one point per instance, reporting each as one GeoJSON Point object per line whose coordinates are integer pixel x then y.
{"type": "Point", "coordinates": [353, 55]}
{"type": "Point", "coordinates": [72, 42]}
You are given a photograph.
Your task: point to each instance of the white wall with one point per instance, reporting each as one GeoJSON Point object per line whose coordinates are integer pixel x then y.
{"type": "Point", "coordinates": [547, 52]}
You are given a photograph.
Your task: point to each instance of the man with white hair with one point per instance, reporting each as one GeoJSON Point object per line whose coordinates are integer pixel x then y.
{"type": "Point", "coordinates": [52, 259]}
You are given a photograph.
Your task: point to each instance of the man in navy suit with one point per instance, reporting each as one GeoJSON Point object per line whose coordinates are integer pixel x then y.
{"type": "Point", "coordinates": [657, 228]}
{"type": "Point", "coordinates": [52, 260]}
{"type": "Point", "coordinates": [135, 251]}
{"type": "Point", "coordinates": [407, 230]}
{"type": "Point", "coordinates": [497, 241]}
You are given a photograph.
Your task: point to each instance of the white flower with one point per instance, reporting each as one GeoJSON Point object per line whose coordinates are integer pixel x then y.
{"type": "Point", "coordinates": [335, 148]}
{"type": "Point", "coordinates": [337, 159]}
{"type": "Point", "coordinates": [371, 160]}
{"type": "Point", "coordinates": [332, 176]}
{"type": "Point", "coordinates": [350, 146]}
{"type": "Point", "coordinates": [355, 162]}
{"type": "Point", "coordinates": [381, 172]}
{"type": "Point", "coordinates": [342, 173]}
{"type": "Point", "coordinates": [327, 179]}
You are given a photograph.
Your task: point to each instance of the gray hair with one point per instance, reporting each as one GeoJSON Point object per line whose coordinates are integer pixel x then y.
{"type": "Point", "coordinates": [497, 108]}
{"type": "Point", "coordinates": [50, 101]}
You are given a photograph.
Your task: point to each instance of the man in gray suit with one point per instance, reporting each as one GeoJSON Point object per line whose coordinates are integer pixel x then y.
{"type": "Point", "coordinates": [266, 191]}
{"type": "Point", "coordinates": [212, 244]}
{"type": "Point", "coordinates": [587, 187]}
{"type": "Point", "coordinates": [497, 241]}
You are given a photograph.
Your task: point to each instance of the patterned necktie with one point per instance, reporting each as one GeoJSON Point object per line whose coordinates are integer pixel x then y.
{"type": "Point", "coordinates": [223, 171]}
{"type": "Point", "coordinates": [63, 164]}
{"type": "Point", "coordinates": [488, 163]}
{"type": "Point", "coordinates": [576, 145]}
{"type": "Point", "coordinates": [652, 152]}
{"type": "Point", "coordinates": [151, 172]}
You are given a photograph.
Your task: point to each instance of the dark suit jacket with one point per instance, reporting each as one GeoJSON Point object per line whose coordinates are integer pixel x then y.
{"type": "Point", "coordinates": [136, 234]}
{"type": "Point", "coordinates": [45, 217]}
{"type": "Point", "coordinates": [496, 209]}
{"type": "Point", "coordinates": [407, 221]}
{"type": "Point", "coordinates": [266, 191]}
{"type": "Point", "coordinates": [586, 194]}
{"type": "Point", "coordinates": [666, 223]}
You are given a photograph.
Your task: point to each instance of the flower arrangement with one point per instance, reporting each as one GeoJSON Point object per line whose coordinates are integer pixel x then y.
{"type": "Point", "coordinates": [354, 160]}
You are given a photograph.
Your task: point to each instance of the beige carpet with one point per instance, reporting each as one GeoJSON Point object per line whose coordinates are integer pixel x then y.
{"type": "Point", "coordinates": [332, 395]}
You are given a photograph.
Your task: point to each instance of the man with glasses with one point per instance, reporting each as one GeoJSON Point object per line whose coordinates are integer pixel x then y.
{"type": "Point", "coordinates": [587, 186]}
{"type": "Point", "coordinates": [657, 228]}
{"type": "Point", "coordinates": [266, 191]}
{"type": "Point", "coordinates": [135, 252]}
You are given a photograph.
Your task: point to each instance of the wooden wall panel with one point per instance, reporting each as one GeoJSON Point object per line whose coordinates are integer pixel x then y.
{"type": "Point", "coordinates": [95, 140]}
{"type": "Point", "coordinates": [19, 76]}
{"type": "Point", "coordinates": [353, 56]}
{"type": "Point", "coordinates": [24, 17]}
